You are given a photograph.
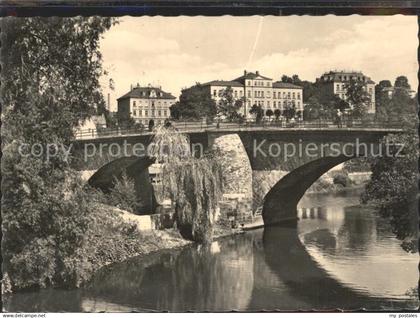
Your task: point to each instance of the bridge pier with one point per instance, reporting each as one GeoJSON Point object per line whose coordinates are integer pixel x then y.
{"type": "Point", "coordinates": [236, 175]}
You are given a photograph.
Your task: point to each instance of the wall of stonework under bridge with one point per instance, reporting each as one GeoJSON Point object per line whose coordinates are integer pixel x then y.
{"type": "Point", "coordinates": [244, 155]}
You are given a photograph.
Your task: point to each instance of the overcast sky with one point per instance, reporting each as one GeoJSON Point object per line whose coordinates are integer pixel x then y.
{"type": "Point", "coordinates": [176, 52]}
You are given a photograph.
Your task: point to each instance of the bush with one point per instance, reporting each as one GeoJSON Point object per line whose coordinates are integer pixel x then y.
{"type": "Point", "coordinates": [123, 194]}
{"type": "Point", "coordinates": [45, 227]}
{"type": "Point", "coordinates": [342, 179]}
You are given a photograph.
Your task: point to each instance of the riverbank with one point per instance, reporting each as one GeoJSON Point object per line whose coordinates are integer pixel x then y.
{"type": "Point", "coordinates": [118, 239]}
{"type": "Point", "coordinates": [334, 188]}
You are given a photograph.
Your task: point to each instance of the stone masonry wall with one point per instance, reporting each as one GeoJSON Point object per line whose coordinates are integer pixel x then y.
{"type": "Point", "coordinates": [237, 176]}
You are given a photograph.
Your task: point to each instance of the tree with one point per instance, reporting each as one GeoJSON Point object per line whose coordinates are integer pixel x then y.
{"type": "Point", "coordinates": [286, 79]}
{"type": "Point", "coordinates": [258, 111]}
{"type": "Point", "coordinates": [292, 80]}
{"type": "Point", "coordinates": [151, 124]}
{"type": "Point", "coordinates": [402, 82]}
{"type": "Point", "coordinates": [340, 104]}
{"type": "Point", "coordinates": [393, 186]}
{"type": "Point", "coordinates": [357, 97]}
{"type": "Point", "coordinates": [269, 113]}
{"type": "Point", "coordinates": [277, 113]}
{"type": "Point", "coordinates": [403, 108]}
{"type": "Point", "coordinates": [228, 106]}
{"type": "Point", "coordinates": [194, 103]}
{"type": "Point", "coordinates": [50, 81]}
{"type": "Point", "coordinates": [312, 109]}
{"type": "Point", "coordinates": [379, 89]}
{"type": "Point", "coordinates": [400, 106]}
{"type": "Point", "coordinates": [289, 111]}
{"type": "Point", "coordinates": [125, 122]}
{"type": "Point", "coordinates": [382, 100]}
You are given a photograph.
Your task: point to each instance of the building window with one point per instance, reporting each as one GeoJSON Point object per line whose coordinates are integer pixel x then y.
{"type": "Point", "coordinates": [249, 93]}
{"type": "Point", "coordinates": [298, 95]}
{"type": "Point", "coordinates": [268, 94]}
{"type": "Point", "coordinates": [153, 113]}
{"type": "Point", "coordinates": [338, 87]}
{"type": "Point", "coordinates": [274, 104]}
{"type": "Point", "coordinates": [268, 84]}
{"type": "Point", "coordinates": [262, 93]}
{"type": "Point", "coordinates": [284, 94]}
{"type": "Point", "coordinates": [249, 83]}
{"type": "Point", "coordinates": [134, 103]}
{"type": "Point", "coordinates": [159, 113]}
{"type": "Point", "coordinates": [165, 113]}
{"type": "Point", "coordinates": [236, 94]}
{"type": "Point", "coordinates": [214, 93]}
{"type": "Point", "coordinates": [134, 113]}
{"type": "Point", "coordinates": [288, 95]}
{"type": "Point", "coordinates": [146, 112]}
{"type": "Point", "coordinates": [256, 94]}
{"type": "Point", "coordinates": [293, 95]}
{"type": "Point", "coordinates": [268, 103]}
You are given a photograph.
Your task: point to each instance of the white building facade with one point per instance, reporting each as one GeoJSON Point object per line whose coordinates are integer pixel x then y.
{"type": "Point", "coordinates": [256, 89]}
{"type": "Point", "coordinates": [146, 103]}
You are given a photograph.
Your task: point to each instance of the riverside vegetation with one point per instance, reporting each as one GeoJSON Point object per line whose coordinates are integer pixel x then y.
{"type": "Point", "coordinates": [56, 231]}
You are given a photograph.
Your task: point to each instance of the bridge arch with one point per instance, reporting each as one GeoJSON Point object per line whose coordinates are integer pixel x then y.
{"type": "Point", "coordinates": [137, 169]}
{"type": "Point", "coordinates": [281, 201]}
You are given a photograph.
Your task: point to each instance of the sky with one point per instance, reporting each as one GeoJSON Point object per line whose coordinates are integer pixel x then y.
{"type": "Point", "coordinates": [177, 52]}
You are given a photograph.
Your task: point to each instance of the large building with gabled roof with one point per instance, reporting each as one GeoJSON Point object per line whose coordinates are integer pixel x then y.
{"type": "Point", "coordinates": [256, 89]}
{"type": "Point", "coordinates": [146, 103]}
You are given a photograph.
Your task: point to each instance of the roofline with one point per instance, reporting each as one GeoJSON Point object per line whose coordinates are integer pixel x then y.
{"type": "Point", "coordinates": [210, 83]}
{"type": "Point", "coordinates": [128, 97]}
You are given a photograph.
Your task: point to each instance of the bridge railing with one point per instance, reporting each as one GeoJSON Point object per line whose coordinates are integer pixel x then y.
{"type": "Point", "coordinates": [224, 125]}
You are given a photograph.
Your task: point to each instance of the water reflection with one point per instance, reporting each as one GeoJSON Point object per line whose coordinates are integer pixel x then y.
{"type": "Point", "coordinates": [358, 250]}
{"type": "Point", "coordinates": [336, 256]}
{"type": "Point", "coordinates": [212, 277]}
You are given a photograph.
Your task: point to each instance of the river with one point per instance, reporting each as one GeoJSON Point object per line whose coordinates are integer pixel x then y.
{"type": "Point", "coordinates": [338, 255]}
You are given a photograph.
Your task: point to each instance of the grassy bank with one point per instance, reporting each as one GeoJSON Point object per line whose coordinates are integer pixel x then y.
{"type": "Point", "coordinates": [109, 239]}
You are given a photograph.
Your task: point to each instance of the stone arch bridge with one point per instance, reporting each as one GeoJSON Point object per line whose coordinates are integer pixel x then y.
{"type": "Point", "coordinates": [301, 154]}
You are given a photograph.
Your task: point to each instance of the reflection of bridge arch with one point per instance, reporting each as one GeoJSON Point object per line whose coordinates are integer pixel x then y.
{"type": "Point", "coordinates": [286, 193]}
{"type": "Point", "coordinates": [306, 279]}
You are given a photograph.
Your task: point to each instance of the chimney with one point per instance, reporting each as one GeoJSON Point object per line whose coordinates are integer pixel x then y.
{"type": "Point", "coordinates": [244, 72]}
{"type": "Point", "coordinates": [257, 73]}
{"type": "Point", "coordinates": [131, 87]}
{"type": "Point", "coordinates": [138, 85]}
